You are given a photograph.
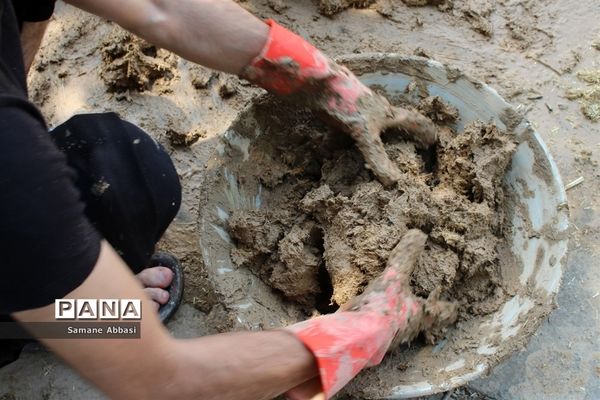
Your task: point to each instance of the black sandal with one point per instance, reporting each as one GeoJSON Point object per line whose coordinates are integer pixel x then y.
{"type": "Point", "coordinates": [175, 289]}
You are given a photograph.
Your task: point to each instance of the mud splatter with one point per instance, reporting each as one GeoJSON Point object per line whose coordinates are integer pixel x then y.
{"type": "Point", "coordinates": [588, 97]}
{"type": "Point", "coordinates": [177, 138]}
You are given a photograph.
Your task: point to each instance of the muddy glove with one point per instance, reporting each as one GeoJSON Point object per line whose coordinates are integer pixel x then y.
{"type": "Point", "coordinates": [290, 66]}
{"type": "Point", "coordinates": [385, 315]}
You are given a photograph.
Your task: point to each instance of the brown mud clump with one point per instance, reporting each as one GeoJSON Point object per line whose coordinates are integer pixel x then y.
{"type": "Point", "coordinates": [132, 64]}
{"type": "Point", "coordinates": [422, 3]}
{"type": "Point", "coordinates": [328, 226]}
{"type": "Point", "coordinates": [331, 7]}
{"type": "Point", "coordinates": [177, 138]}
{"type": "Point", "coordinates": [588, 97]}
{"type": "Point", "coordinates": [439, 112]}
{"type": "Point", "coordinates": [384, 7]}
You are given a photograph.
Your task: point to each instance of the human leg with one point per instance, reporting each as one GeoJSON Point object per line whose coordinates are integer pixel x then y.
{"type": "Point", "coordinates": [126, 179]}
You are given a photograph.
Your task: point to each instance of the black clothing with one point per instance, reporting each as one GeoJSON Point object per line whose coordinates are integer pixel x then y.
{"type": "Point", "coordinates": [33, 10]}
{"type": "Point", "coordinates": [130, 191]}
{"type": "Point", "coordinates": [13, 86]}
{"type": "Point", "coordinates": [12, 15]}
{"type": "Point", "coordinates": [52, 218]}
{"type": "Point", "coordinates": [47, 245]}
{"type": "Point", "coordinates": [126, 179]}
{"type": "Point", "coordinates": [94, 176]}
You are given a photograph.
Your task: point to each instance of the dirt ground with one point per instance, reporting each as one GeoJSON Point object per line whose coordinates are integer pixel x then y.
{"type": "Point", "coordinates": [537, 54]}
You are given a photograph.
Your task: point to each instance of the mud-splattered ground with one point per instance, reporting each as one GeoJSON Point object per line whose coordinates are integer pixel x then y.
{"type": "Point", "coordinates": [531, 55]}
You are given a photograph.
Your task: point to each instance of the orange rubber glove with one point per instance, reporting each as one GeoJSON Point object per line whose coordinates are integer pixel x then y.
{"type": "Point", "coordinates": [290, 66]}
{"type": "Point", "coordinates": [385, 315]}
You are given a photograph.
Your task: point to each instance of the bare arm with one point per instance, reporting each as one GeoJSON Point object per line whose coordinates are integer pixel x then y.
{"type": "Point", "coordinates": [222, 35]}
{"type": "Point", "coordinates": [249, 365]}
{"type": "Point", "coordinates": [32, 34]}
{"type": "Point", "coordinates": [216, 33]}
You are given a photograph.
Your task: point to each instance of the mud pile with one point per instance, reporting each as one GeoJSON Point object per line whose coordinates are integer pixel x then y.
{"type": "Point", "coordinates": [328, 226]}
{"type": "Point", "coordinates": [131, 63]}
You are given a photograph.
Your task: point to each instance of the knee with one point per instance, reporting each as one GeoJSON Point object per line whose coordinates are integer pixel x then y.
{"type": "Point", "coordinates": [120, 151]}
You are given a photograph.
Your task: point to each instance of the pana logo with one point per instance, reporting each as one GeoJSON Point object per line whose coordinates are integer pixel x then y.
{"type": "Point", "coordinates": [94, 309]}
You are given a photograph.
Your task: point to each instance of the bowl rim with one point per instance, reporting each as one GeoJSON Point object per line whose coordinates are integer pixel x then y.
{"type": "Point", "coordinates": [386, 62]}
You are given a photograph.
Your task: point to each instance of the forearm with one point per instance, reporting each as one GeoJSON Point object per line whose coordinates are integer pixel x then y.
{"type": "Point", "coordinates": [219, 34]}
{"type": "Point", "coordinates": [245, 365]}
{"type": "Point", "coordinates": [122, 368]}
{"type": "Point", "coordinates": [249, 365]}
{"type": "Point", "coordinates": [32, 34]}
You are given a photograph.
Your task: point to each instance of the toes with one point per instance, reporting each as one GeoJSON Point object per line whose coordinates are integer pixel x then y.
{"type": "Point", "coordinates": [156, 277]}
{"type": "Point", "coordinates": [155, 306]}
{"type": "Point", "coordinates": [159, 296]}
{"type": "Point", "coordinates": [307, 390]}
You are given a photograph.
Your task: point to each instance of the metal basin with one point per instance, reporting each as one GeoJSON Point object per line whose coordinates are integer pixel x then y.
{"type": "Point", "coordinates": [539, 240]}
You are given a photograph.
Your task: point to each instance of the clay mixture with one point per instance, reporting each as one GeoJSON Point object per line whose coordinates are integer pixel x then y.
{"type": "Point", "coordinates": [329, 226]}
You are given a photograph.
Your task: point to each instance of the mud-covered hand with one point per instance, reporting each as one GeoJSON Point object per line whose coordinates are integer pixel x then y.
{"type": "Point", "coordinates": [359, 335]}
{"type": "Point", "coordinates": [289, 65]}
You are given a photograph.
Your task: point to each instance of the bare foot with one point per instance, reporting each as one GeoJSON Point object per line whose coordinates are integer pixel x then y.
{"type": "Point", "coordinates": [155, 281]}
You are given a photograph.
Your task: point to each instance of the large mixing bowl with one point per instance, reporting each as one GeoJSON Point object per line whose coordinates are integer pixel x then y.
{"type": "Point", "coordinates": [539, 217]}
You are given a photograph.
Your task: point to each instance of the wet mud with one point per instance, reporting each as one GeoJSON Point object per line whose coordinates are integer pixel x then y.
{"type": "Point", "coordinates": [329, 226]}
{"type": "Point", "coordinates": [131, 63]}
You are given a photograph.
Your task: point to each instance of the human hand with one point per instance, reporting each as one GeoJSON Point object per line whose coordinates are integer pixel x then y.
{"type": "Point", "coordinates": [290, 66]}
{"type": "Point", "coordinates": [355, 109]}
{"type": "Point", "coordinates": [386, 314]}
